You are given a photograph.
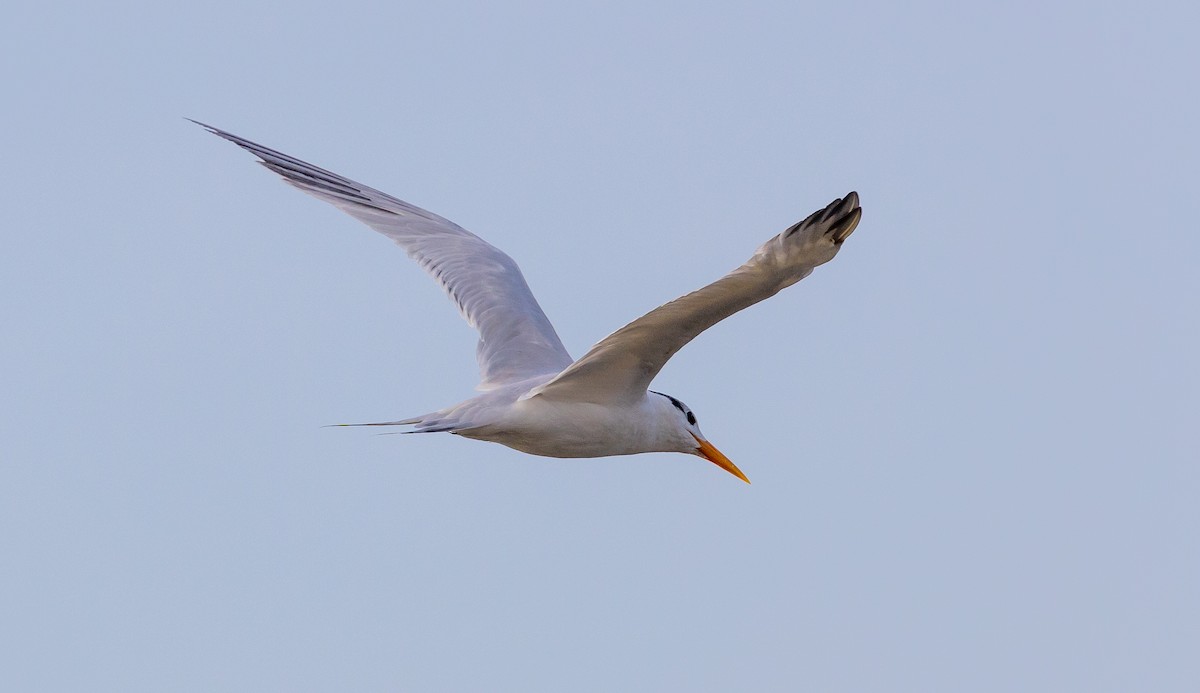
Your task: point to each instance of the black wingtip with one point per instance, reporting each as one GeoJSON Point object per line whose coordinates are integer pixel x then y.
{"type": "Point", "coordinates": [203, 125]}
{"type": "Point", "coordinates": [845, 226]}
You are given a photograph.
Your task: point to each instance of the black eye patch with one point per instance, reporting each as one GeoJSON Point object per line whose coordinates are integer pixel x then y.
{"type": "Point", "coordinates": [691, 418]}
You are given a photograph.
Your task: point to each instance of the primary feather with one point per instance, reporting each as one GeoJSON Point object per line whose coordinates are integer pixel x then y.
{"type": "Point", "coordinates": [516, 340]}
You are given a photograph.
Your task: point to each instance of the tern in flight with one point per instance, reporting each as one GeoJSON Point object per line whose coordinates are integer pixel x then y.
{"type": "Point", "coordinates": [535, 397]}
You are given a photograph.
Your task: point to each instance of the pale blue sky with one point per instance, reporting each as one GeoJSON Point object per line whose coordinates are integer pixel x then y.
{"type": "Point", "coordinates": [972, 436]}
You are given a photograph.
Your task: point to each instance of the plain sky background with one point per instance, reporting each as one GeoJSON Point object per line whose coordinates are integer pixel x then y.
{"type": "Point", "coordinates": [973, 436]}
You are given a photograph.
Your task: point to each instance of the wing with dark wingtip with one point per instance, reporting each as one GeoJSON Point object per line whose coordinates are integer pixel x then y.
{"type": "Point", "coordinates": [516, 340]}
{"type": "Point", "coordinates": [620, 367]}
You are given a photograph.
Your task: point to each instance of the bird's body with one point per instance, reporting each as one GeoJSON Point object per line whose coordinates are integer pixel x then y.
{"type": "Point", "coordinates": [535, 398]}
{"type": "Point", "coordinates": [540, 426]}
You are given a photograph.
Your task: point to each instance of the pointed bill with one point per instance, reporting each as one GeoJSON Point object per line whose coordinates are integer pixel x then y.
{"type": "Point", "coordinates": [712, 454]}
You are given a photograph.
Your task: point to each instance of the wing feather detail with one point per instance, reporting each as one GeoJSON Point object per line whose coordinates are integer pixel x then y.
{"type": "Point", "coordinates": [516, 340]}
{"type": "Point", "coordinates": [620, 367]}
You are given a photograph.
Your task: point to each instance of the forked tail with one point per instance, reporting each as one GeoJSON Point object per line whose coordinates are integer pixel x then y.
{"type": "Point", "coordinates": [426, 423]}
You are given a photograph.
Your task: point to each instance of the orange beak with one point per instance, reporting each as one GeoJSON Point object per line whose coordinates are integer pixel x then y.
{"type": "Point", "coordinates": [710, 453]}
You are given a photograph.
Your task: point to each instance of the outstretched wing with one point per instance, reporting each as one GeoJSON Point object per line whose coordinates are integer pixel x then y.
{"type": "Point", "coordinates": [621, 366]}
{"type": "Point", "coordinates": [516, 340]}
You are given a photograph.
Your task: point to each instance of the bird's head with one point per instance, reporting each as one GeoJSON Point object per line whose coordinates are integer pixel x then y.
{"type": "Point", "coordinates": [692, 441]}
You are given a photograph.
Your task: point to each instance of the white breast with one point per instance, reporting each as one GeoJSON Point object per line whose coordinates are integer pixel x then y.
{"type": "Point", "coordinates": [581, 429]}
